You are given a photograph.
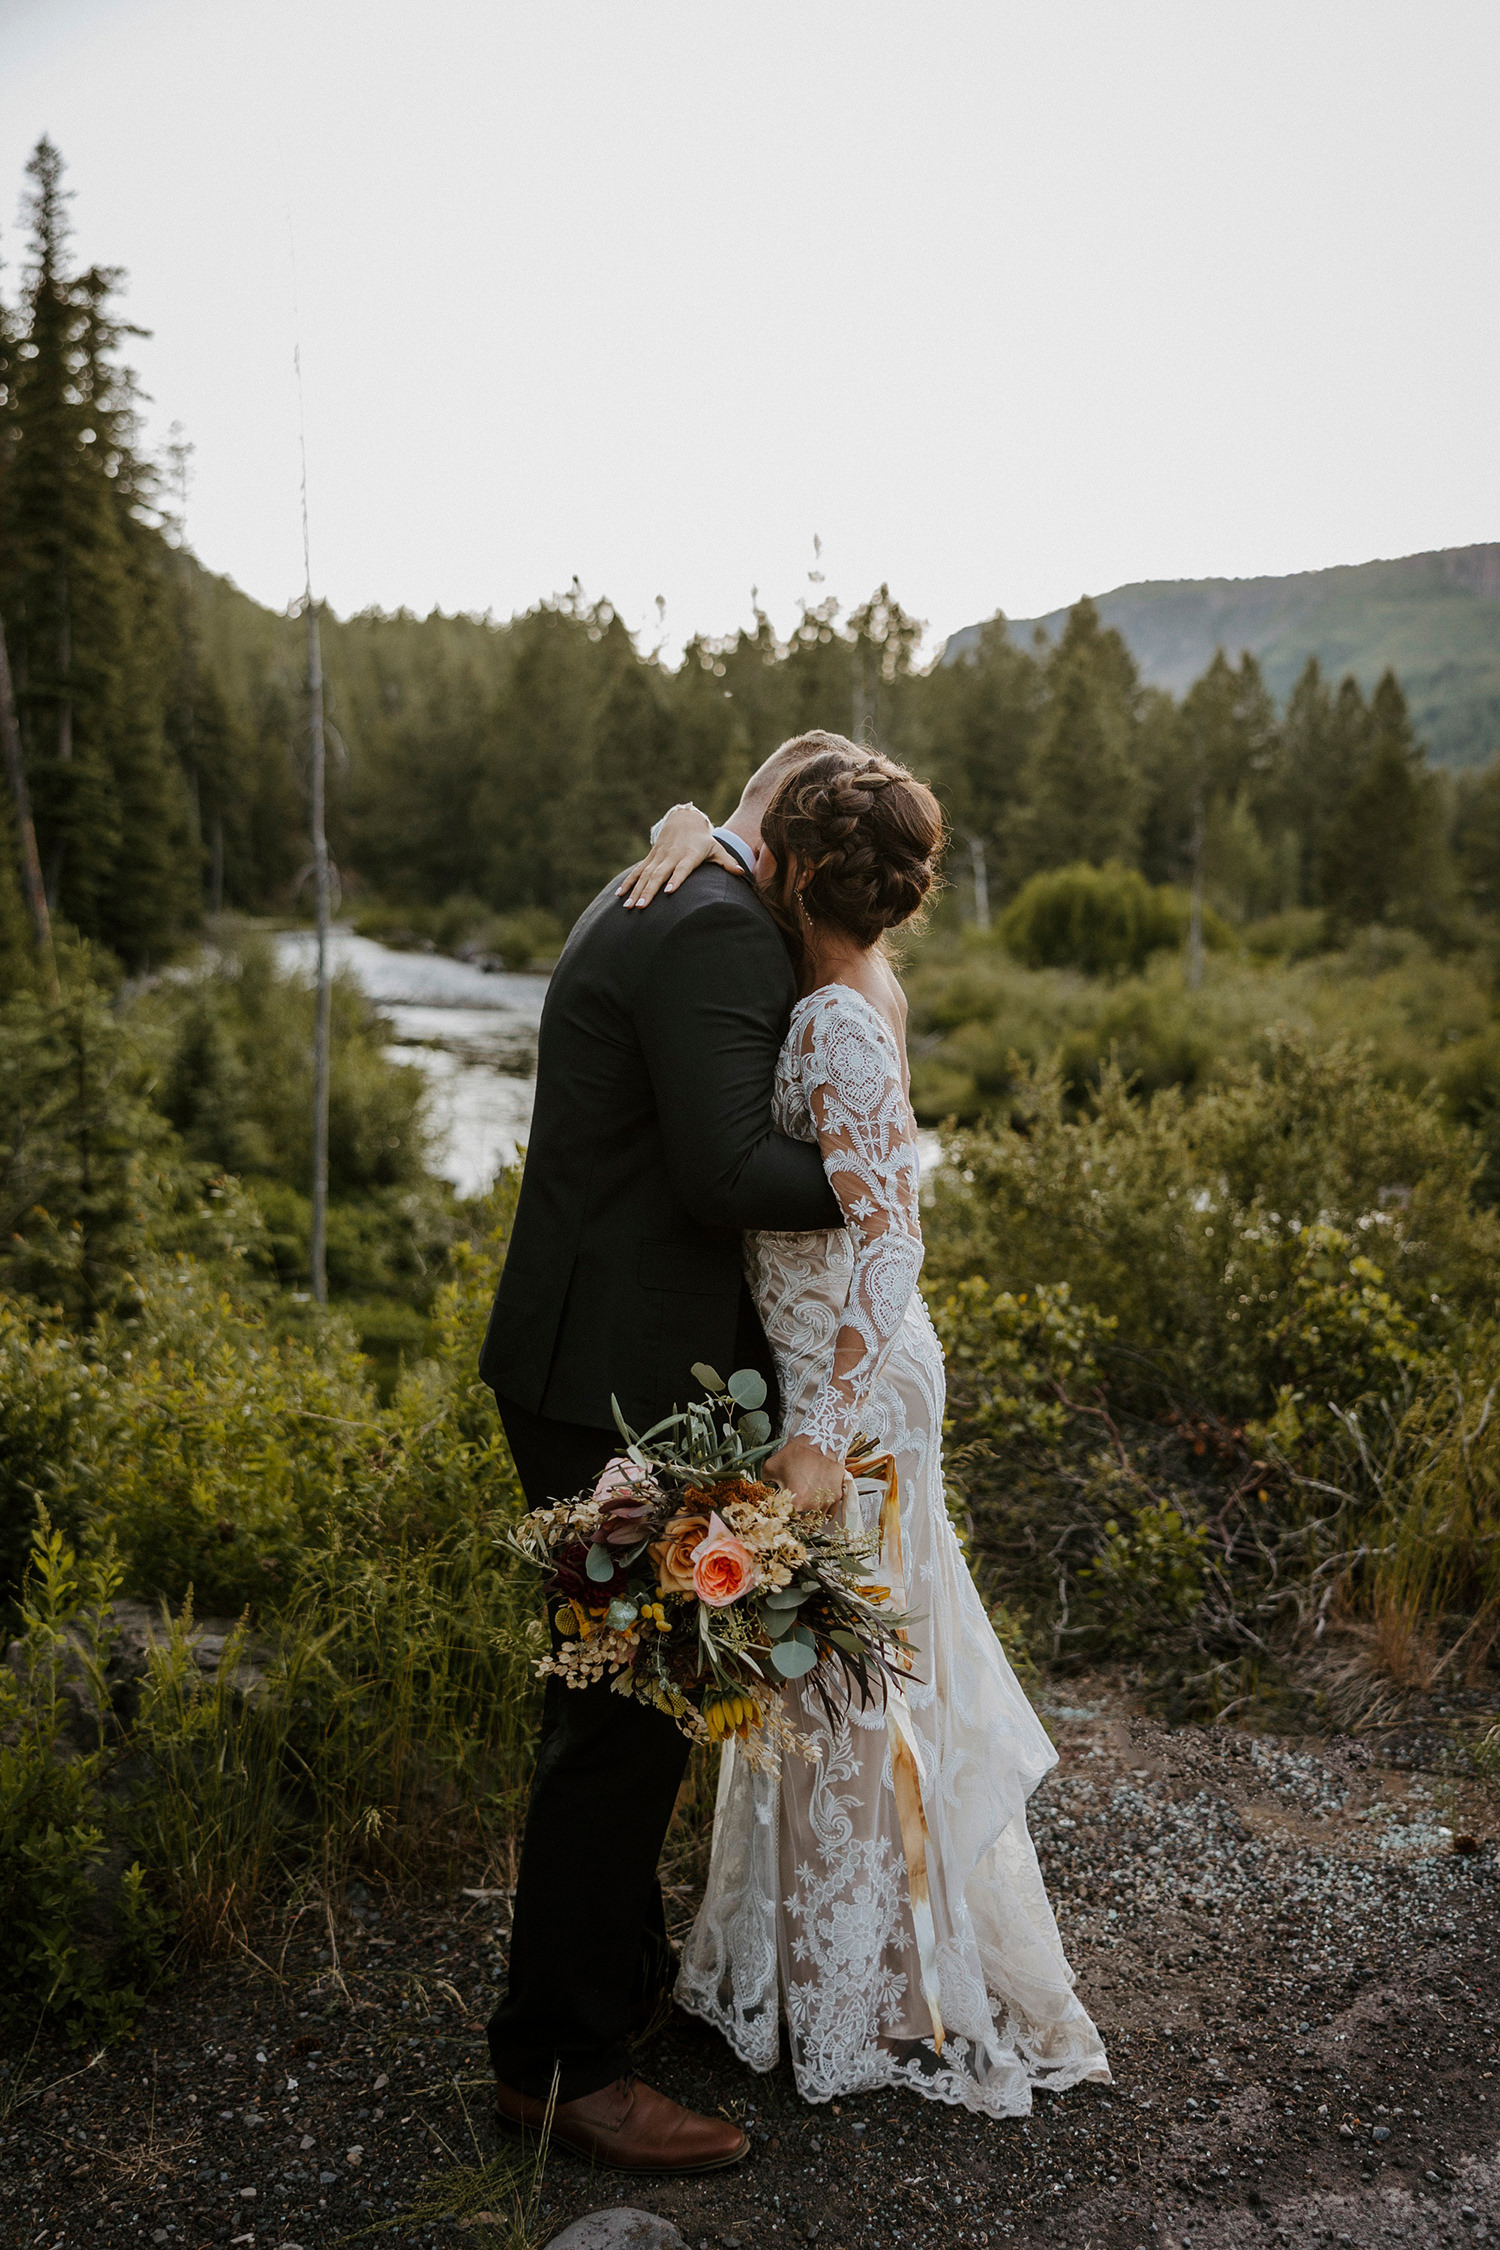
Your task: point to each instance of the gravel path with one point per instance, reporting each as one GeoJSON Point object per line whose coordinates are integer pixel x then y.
{"type": "Point", "coordinates": [1293, 1949]}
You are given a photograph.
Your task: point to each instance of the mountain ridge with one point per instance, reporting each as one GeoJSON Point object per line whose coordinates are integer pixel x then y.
{"type": "Point", "coordinates": [1433, 617]}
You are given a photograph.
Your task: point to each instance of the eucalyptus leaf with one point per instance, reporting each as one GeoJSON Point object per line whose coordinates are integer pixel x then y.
{"type": "Point", "coordinates": [805, 1634]}
{"type": "Point", "coordinates": [754, 1428]}
{"type": "Point", "coordinates": [785, 1597]}
{"type": "Point", "coordinates": [793, 1658]}
{"type": "Point", "coordinates": [667, 1422]}
{"type": "Point", "coordinates": [620, 1613]}
{"type": "Point", "coordinates": [775, 1622]}
{"type": "Point", "coordinates": [600, 1565]}
{"type": "Point", "coordinates": [747, 1387]}
{"type": "Point", "coordinates": [845, 1641]}
{"type": "Point", "coordinates": [709, 1377]}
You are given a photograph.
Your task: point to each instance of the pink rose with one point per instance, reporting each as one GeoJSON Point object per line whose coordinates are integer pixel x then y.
{"type": "Point", "coordinates": [723, 1566]}
{"type": "Point", "coordinates": [618, 1475]}
{"type": "Point", "coordinates": [623, 1512]}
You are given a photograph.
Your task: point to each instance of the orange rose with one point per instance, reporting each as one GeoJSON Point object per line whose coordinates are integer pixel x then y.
{"type": "Point", "coordinates": [673, 1553]}
{"type": "Point", "coordinates": [723, 1567]}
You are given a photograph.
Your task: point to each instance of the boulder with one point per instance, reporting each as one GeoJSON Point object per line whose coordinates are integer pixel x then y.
{"type": "Point", "coordinates": [624, 2228]}
{"type": "Point", "coordinates": [129, 1630]}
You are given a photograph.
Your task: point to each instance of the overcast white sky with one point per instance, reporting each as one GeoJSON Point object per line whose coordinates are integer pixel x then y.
{"type": "Point", "coordinates": [1004, 302]}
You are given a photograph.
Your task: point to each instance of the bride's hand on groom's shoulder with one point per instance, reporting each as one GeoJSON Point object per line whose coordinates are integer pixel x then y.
{"type": "Point", "coordinates": [814, 1477]}
{"type": "Point", "coordinates": [683, 841]}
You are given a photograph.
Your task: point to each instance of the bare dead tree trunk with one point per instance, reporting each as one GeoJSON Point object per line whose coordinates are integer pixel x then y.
{"type": "Point", "coordinates": [31, 865]}
{"type": "Point", "coordinates": [979, 862]}
{"type": "Point", "coordinates": [1195, 900]}
{"type": "Point", "coordinates": [323, 1022]}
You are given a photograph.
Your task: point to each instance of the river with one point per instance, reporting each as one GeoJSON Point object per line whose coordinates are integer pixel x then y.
{"type": "Point", "coordinates": [472, 1032]}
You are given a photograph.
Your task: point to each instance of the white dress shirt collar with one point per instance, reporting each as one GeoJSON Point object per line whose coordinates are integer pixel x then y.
{"type": "Point", "coordinates": [737, 845]}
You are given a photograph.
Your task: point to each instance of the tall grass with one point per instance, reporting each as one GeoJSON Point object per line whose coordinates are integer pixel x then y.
{"type": "Point", "coordinates": [1432, 1589]}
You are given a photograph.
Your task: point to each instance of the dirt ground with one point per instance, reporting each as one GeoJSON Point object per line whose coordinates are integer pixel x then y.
{"type": "Point", "coordinates": [1293, 1948]}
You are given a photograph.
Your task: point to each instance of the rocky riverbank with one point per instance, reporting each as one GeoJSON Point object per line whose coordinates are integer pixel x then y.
{"type": "Point", "coordinates": [1293, 1948]}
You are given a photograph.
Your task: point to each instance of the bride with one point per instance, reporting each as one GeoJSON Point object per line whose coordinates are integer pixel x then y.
{"type": "Point", "coordinates": [814, 1912]}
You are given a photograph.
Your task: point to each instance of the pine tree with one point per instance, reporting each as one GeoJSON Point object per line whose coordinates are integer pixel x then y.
{"type": "Point", "coordinates": [1384, 859]}
{"type": "Point", "coordinates": [1229, 735]}
{"type": "Point", "coordinates": [537, 753]}
{"type": "Point", "coordinates": [1083, 786]}
{"type": "Point", "coordinates": [1343, 753]}
{"type": "Point", "coordinates": [1171, 791]}
{"type": "Point", "coordinates": [61, 571]}
{"type": "Point", "coordinates": [16, 948]}
{"type": "Point", "coordinates": [80, 588]}
{"type": "Point", "coordinates": [1302, 795]}
{"type": "Point", "coordinates": [884, 639]}
{"type": "Point", "coordinates": [14, 931]}
{"type": "Point", "coordinates": [633, 776]}
{"type": "Point", "coordinates": [1477, 837]}
{"type": "Point", "coordinates": [973, 724]}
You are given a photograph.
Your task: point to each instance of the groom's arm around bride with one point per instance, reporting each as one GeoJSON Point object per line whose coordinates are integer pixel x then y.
{"type": "Point", "coordinates": [651, 1151]}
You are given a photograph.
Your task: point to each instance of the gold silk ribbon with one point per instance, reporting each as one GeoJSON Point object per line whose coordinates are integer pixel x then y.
{"type": "Point", "coordinates": [879, 1473]}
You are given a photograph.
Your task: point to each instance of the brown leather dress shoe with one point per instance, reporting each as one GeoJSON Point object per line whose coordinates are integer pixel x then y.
{"type": "Point", "coordinates": [630, 2127]}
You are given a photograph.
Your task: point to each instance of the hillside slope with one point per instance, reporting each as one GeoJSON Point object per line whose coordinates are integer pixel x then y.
{"type": "Point", "coordinates": [1434, 617]}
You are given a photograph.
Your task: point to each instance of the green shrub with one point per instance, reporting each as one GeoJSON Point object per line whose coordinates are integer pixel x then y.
{"type": "Point", "coordinates": [528, 938]}
{"type": "Point", "coordinates": [375, 1708]}
{"type": "Point", "coordinates": [981, 1022]}
{"type": "Point", "coordinates": [206, 1446]}
{"type": "Point", "coordinates": [234, 1041]}
{"type": "Point", "coordinates": [89, 1171]}
{"type": "Point", "coordinates": [1185, 1222]}
{"type": "Point", "coordinates": [1106, 921]}
{"type": "Point", "coordinates": [1470, 1082]}
{"type": "Point", "coordinates": [1216, 1365]}
{"type": "Point", "coordinates": [1295, 935]}
{"type": "Point", "coordinates": [82, 1937]}
{"type": "Point", "coordinates": [1147, 1577]}
{"type": "Point", "coordinates": [1012, 1360]}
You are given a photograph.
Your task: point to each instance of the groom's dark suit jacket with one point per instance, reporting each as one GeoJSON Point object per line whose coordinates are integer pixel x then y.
{"type": "Point", "coordinates": [651, 1150]}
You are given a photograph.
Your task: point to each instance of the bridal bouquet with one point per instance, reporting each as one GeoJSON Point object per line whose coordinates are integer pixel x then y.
{"type": "Point", "coordinates": [700, 1587]}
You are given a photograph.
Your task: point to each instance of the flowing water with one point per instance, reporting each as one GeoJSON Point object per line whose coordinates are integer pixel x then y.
{"type": "Point", "coordinates": [472, 1032]}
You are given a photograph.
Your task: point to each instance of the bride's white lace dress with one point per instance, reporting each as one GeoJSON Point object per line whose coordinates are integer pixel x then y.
{"type": "Point", "coordinates": [807, 1913]}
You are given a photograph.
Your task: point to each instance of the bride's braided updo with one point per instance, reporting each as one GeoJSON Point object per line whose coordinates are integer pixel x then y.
{"type": "Point", "coordinates": [855, 839]}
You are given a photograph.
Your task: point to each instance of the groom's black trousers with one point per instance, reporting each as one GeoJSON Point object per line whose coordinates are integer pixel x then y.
{"type": "Point", "coordinates": [588, 1946]}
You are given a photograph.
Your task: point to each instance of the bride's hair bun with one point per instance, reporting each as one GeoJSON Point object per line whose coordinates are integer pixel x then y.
{"type": "Point", "coordinates": [856, 840]}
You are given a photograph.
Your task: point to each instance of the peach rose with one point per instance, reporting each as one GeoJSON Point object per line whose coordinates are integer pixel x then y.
{"type": "Point", "coordinates": [673, 1553]}
{"type": "Point", "coordinates": [723, 1567]}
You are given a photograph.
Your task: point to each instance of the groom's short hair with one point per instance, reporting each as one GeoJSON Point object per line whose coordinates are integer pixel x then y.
{"type": "Point", "coordinates": [795, 752]}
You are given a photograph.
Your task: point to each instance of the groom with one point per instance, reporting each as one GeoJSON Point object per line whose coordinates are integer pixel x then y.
{"type": "Point", "coordinates": [652, 1149]}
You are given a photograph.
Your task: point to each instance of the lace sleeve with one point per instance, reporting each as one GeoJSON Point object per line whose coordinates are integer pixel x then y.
{"type": "Point", "coordinates": [851, 1073]}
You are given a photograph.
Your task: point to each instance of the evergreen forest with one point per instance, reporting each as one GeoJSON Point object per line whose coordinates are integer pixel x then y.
{"type": "Point", "coordinates": [1208, 1018]}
